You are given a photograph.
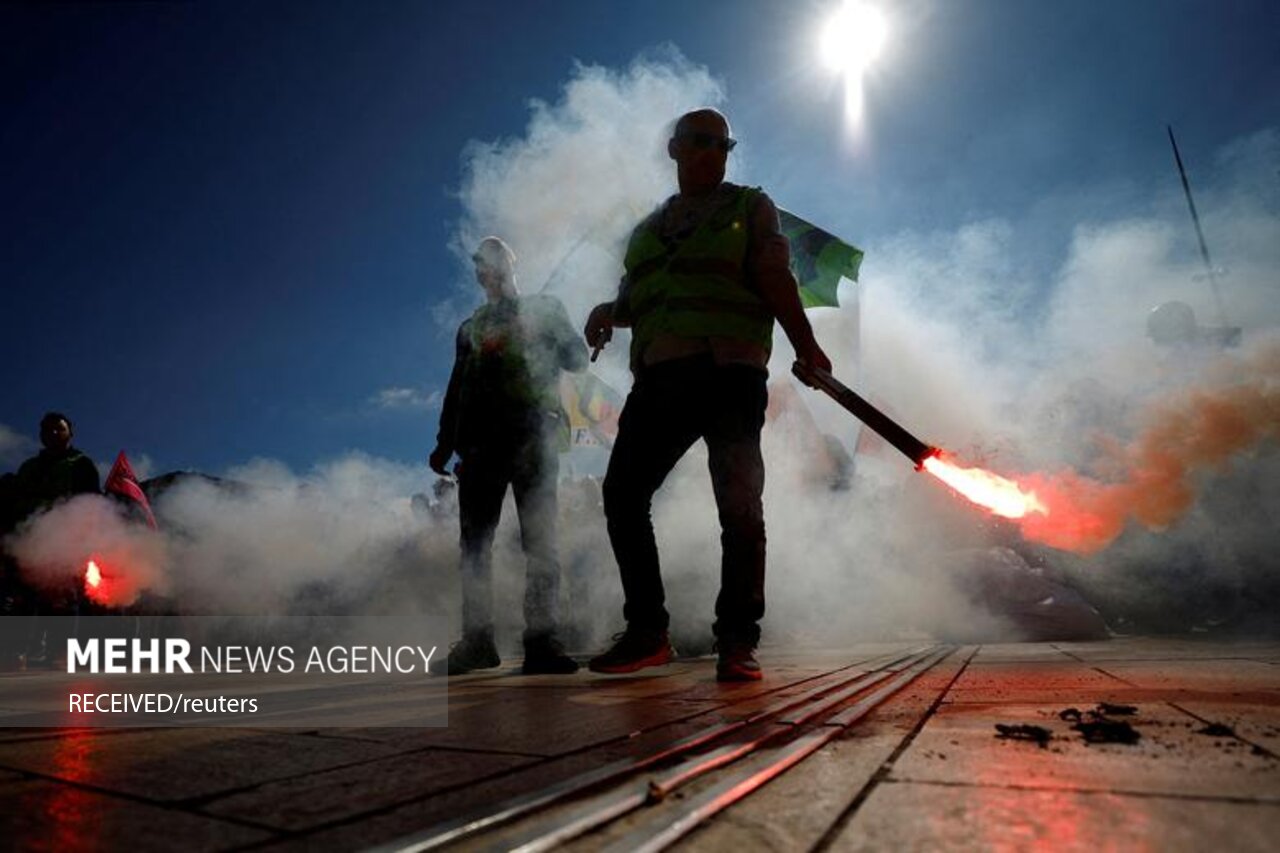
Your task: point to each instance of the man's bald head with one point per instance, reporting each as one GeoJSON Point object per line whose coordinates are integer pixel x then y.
{"type": "Point", "coordinates": [496, 268]}
{"type": "Point", "coordinates": [702, 119]}
{"type": "Point", "coordinates": [700, 144]}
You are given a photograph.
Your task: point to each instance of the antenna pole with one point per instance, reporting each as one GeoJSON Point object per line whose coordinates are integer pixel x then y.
{"type": "Point", "coordinates": [1195, 218]}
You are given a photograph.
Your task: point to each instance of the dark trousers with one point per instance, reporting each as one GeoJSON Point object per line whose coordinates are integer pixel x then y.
{"type": "Point", "coordinates": [530, 466]}
{"type": "Point", "coordinates": [672, 405]}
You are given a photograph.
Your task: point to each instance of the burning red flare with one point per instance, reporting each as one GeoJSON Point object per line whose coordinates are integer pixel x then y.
{"type": "Point", "coordinates": [95, 583]}
{"type": "Point", "coordinates": [1064, 510]}
{"type": "Point", "coordinates": [1001, 496]}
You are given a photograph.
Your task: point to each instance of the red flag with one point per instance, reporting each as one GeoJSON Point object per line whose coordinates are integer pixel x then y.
{"type": "Point", "coordinates": [121, 481]}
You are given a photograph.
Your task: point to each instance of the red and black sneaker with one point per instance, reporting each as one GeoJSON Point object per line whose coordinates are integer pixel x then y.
{"type": "Point", "coordinates": [738, 663]}
{"type": "Point", "coordinates": [634, 649]}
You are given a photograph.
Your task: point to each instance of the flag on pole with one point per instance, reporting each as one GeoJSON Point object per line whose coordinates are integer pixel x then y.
{"type": "Point", "coordinates": [121, 481]}
{"type": "Point", "coordinates": [593, 408]}
{"type": "Point", "coordinates": [818, 260]}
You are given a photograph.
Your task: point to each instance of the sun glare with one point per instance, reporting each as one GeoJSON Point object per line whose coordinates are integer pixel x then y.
{"type": "Point", "coordinates": [853, 38]}
{"type": "Point", "coordinates": [850, 43]}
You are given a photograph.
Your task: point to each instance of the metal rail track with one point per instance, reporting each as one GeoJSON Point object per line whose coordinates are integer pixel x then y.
{"type": "Point", "coordinates": [689, 814]}
{"type": "Point", "coordinates": [791, 712]}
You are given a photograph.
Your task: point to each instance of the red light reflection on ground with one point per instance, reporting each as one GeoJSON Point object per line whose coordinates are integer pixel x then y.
{"type": "Point", "coordinates": [1028, 798]}
{"type": "Point", "coordinates": [74, 814]}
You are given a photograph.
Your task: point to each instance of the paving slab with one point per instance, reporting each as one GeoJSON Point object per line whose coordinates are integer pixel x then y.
{"type": "Point", "coordinates": [959, 746]}
{"type": "Point", "coordinates": [1021, 652]}
{"type": "Point", "coordinates": [1254, 724]}
{"type": "Point", "coordinates": [536, 723]}
{"type": "Point", "coordinates": [40, 815]}
{"type": "Point", "coordinates": [421, 814]}
{"type": "Point", "coordinates": [1172, 648]}
{"type": "Point", "coordinates": [170, 765]}
{"type": "Point", "coordinates": [1223, 676]}
{"type": "Point", "coordinates": [334, 795]}
{"type": "Point", "coordinates": [1034, 681]}
{"type": "Point", "coordinates": [913, 816]}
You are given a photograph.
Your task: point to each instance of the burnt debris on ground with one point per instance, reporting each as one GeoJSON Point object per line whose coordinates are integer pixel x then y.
{"type": "Point", "coordinates": [1102, 730]}
{"type": "Point", "coordinates": [1022, 731]}
{"type": "Point", "coordinates": [1097, 725]}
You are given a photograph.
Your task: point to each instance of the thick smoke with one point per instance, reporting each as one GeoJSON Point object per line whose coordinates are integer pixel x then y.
{"type": "Point", "coordinates": [339, 552]}
{"type": "Point", "coordinates": [1012, 365]}
{"type": "Point", "coordinates": [566, 193]}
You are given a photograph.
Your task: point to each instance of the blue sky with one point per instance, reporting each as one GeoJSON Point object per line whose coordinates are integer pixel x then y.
{"type": "Point", "coordinates": [227, 225]}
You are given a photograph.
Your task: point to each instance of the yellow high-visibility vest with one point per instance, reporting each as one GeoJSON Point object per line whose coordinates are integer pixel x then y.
{"type": "Point", "coordinates": [696, 287]}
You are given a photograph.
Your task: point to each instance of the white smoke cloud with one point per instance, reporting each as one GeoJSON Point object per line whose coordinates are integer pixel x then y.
{"type": "Point", "coordinates": [565, 193]}
{"type": "Point", "coordinates": [258, 544]}
{"type": "Point", "coordinates": [14, 446]}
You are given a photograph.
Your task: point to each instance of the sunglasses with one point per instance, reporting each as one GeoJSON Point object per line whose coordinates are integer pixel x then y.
{"type": "Point", "coordinates": [703, 141]}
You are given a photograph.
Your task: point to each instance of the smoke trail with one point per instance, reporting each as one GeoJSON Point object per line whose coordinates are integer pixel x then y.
{"type": "Point", "coordinates": [1195, 429]}
{"type": "Point", "coordinates": [566, 193]}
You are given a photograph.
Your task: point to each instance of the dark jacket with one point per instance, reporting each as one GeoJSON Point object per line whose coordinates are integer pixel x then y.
{"type": "Point", "coordinates": [46, 477]}
{"type": "Point", "coordinates": [505, 383]}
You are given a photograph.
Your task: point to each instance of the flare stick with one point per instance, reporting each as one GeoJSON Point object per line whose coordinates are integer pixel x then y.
{"type": "Point", "coordinates": [888, 429]}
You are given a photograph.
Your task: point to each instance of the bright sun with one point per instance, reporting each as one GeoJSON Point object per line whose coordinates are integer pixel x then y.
{"type": "Point", "coordinates": [853, 38]}
{"type": "Point", "coordinates": [851, 41]}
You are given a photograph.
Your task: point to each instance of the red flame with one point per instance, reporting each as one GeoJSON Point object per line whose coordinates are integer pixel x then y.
{"type": "Point", "coordinates": [1001, 496]}
{"type": "Point", "coordinates": [96, 584]}
{"type": "Point", "coordinates": [1064, 510]}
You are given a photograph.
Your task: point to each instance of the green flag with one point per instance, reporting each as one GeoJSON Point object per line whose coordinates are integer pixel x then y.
{"type": "Point", "coordinates": [818, 260]}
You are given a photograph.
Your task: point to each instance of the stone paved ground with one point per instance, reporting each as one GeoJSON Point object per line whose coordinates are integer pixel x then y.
{"type": "Point", "coordinates": [924, 770]}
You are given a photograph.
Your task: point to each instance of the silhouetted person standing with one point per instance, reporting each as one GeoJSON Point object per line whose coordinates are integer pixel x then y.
{"type": "Point", "coordinates": [502, 416]}
{"type": "Point", "coordinates": [58, 471]}
{"type": "Point", "coordinates": [707, 273]}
